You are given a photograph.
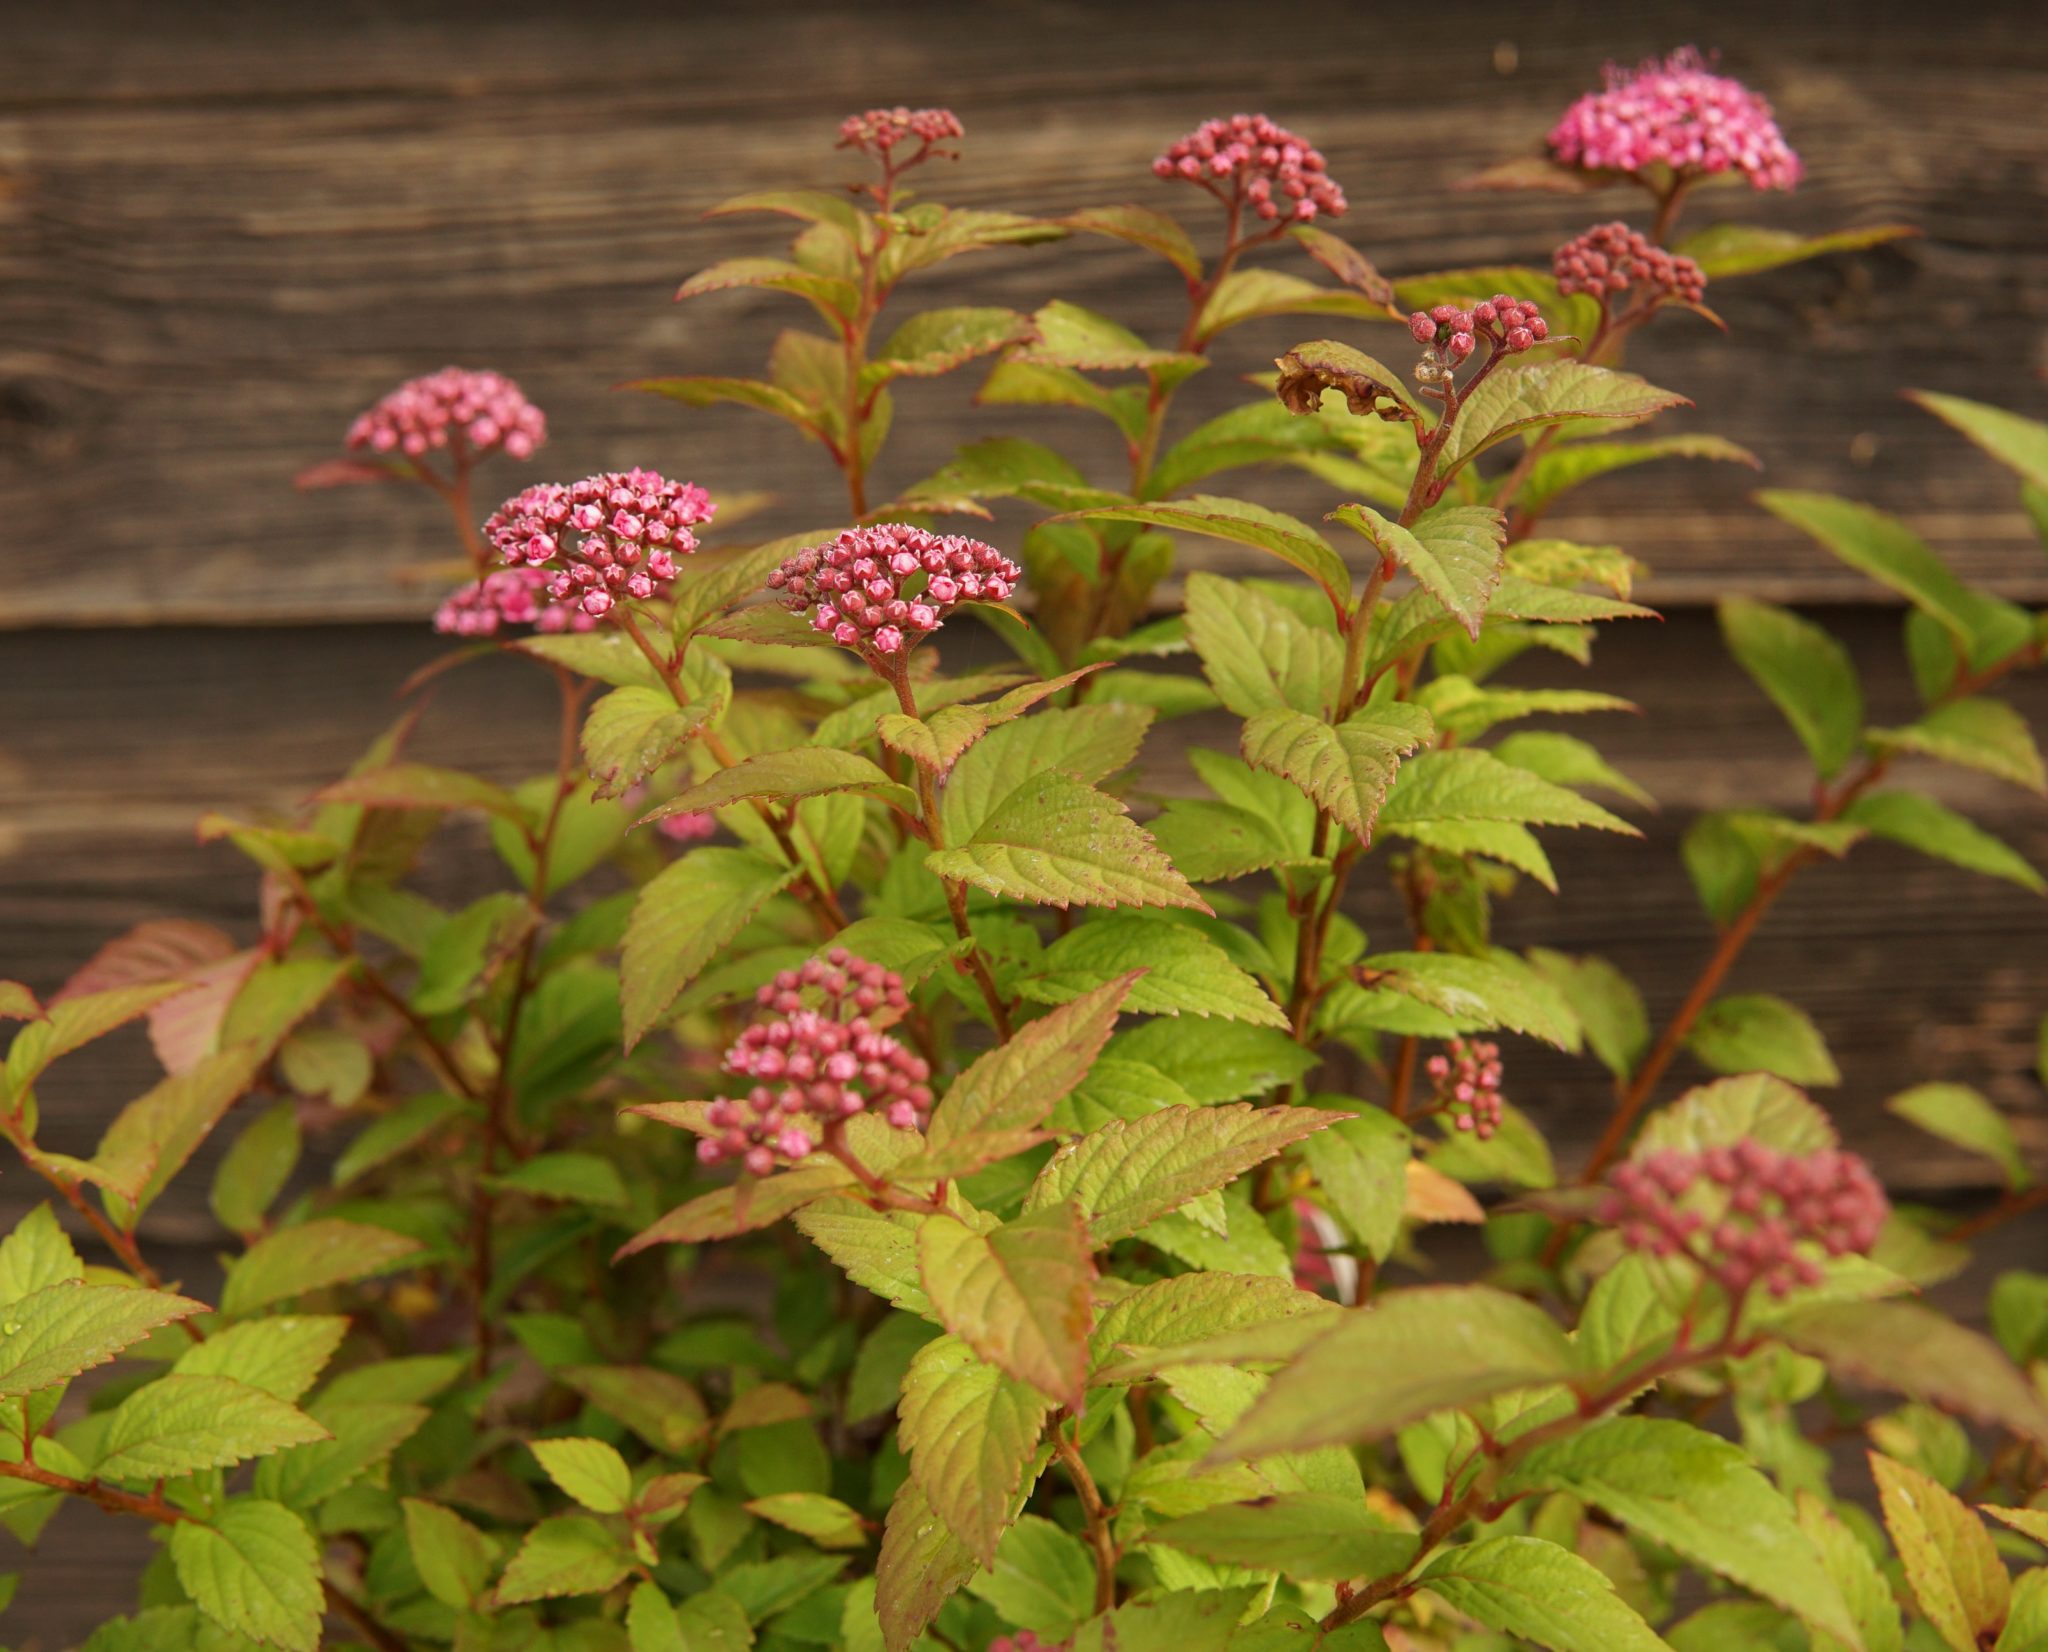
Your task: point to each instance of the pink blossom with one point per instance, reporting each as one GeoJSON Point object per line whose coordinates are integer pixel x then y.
{"type": "Point", "coordinates": [505, 596]}
{"type": "Point", "coordinates": [878, 590]}
{"type": "Point", "coordinates": [1267, 168]}
{"type": "Point", "coordinates": [476, 412]}
{"type": "Point", "coordinates": [605, 539]}
{"type": "Point", "coordinates": [820, 1061]}
{"type": "Point", "coordinates": [878, 131]}
{"type": "Point", "coordinates": [1467, 1079]}
{"type": "Point", "coordinates": [1675, 114]}
{"type": "Point", "coordinates": [1453, 331]}
{"type": "Point", "coordinates": [1749, 1214]}
{"type": "Point", "coordinates": [1610, 258]}
{"type": "Point", "coordinates": [693, 826]}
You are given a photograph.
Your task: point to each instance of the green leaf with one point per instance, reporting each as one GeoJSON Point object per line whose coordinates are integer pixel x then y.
{"type": "Point", "coordinates": [255, 1571]}
{"type": "Point", "coordinates": [1194, 1307]}
{"type": "Point", "coordinates": [1724, 250]}
{"type": "Point", "coordinates": [1566, 760]}
{"type": "Point", "coordinates": [1521, 397]}
{"type": "Point", "coordinates": [1346, 770]}
{"type": "Point", "coordinates": [590, 1471]}
{"type": "Point", "coordinates": [1017, 1295]}
{"type": "Point", "coordinates": [742, 1207]}
{"type": "Point", "coordinates": [1986, 735]}
{"type": "Point", "coordinates": [153, 1137]}
{"type": "Point", "coordinates": [1698, 1494]}
{"type": "Point", "coordinates": [1174, 969]}
{"type": "Point", "coordinates": [453, 1558]}
{"type": "Point", "coordinates": [1228, 1062]}
{"type": "Point", "coordinates": [1964, 1118]}
{"type": "Point", "coordinates": [1955, 1574]}
{"type": "Point", "coordinates": [1881, 547]}
{"type": "Point", "coordinates": [780, 776]}
{"type": "Point", "coordinates": [567, 1554]}
{"type": "Point", "coordinates": [1069, 336]}
{"type": "Point", "coordinates": [1242, 523]}
{"type": "Point", "coordinates": [1536, 1591]}
{"type": "Point", "coordinates": [1726, 1111]}
{"type": "Point", "coordinates": [631, 732]}
{"type": "Point", "coordinates": [52, 1334]}
{"type": "Point", "coordinates": [366, 1433]}
{"type": "Point", "coordinates": [1345, 262]}
{"type": "Point", "coordinates": [1017, 383]}
{"type": "Point", "coordinates": [937, 341]}
{"type": "Point", "coordinates": [1056, 842]}
{"type": "Point", "coordinates": [419, 786]}
{"type": "Point", "coordinates": [1454, 552]}
{"type": "Point", "coordinates": [1609, 1008]}
{"type": "Point", "coordinates": [282, 1355]}
{"type": "Point", "coordinates": [37, 1254]}
{"type": "Point", "coordinates": [1361, 1165]}
{"type": "Point", "coordinates": [971, 1433]}
{"type": "Point", "coordinates": [1807, 674]}
{"type": "Point", "coordinates": [1313, 1535]}
{"type": "Point", "coordinates": [826, 1521]}
{"type": "Point", "coordinates": [584, 1178]}
{"type": "Point", "coordinates": [1257, 654]}
{"type": "Point", "coordinates": [181, 1424]}
{"type": "Point", "coordinates": [1913, 1350]}
{"type": "Point", "coordinates": [2020, 444]}
{"type": "Point", "coordinates": [684, 917]}
{"type": "Point", "coordinates": [1132, 1171]}
{"type": "Point", "coordinates": [1864, 1589]}
{"type": "Point", "coordinates": [816, 206]}
{"type": "Point", "coordinates": [1042, 1579]}
{"type": "Point", "coordinates": [310, 1257]}
{"type": "Point", "coordinates": [1728, 852]}
{"type": "Point", "coordinates": [1253, 294]}
{"type": "Point", "coordinates": [1142, 227]}
{"type": "Point", "coordinates": [1015, 1085]}
{"type": "Point", "coordinates": [254, 1171]}
{"type": "Point", "coordinates": [657, 1405]}
{"type": "Point", "coordinates": [1477, 993]}
{"type": "Point", "coordinates": [408, 1124]}
{"type": "Point", "coordinates": [1417, 1351]}
{"type": "Point", "coordinates": [1919, 822]}
{"type": "Point", "coordinates": [1567, 466]}
{"type": "Point", "coordinates": [1465, 784]}
{"type": "Point", "coordinates": [706, 390]}
{"type": "Point", "coordinates": [832, 297]}
{"type": "Point", "coordinates": [1087, 743]}
{"type": "Point", "coordinates": [922, 1564]}
{"type": "Point", "coordinates": [1755, 1032]}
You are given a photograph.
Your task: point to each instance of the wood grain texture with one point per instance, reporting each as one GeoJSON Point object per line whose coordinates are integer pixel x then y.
{"type": "Point", "coordinates": [224, 229]}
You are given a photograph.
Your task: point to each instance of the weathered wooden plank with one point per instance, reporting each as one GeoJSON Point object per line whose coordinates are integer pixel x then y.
{"type": "Point", "coordinates": [222, 240]}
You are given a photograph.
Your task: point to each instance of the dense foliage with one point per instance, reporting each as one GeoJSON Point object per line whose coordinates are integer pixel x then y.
{"type": "Point", "coordinates": [861, 1177]}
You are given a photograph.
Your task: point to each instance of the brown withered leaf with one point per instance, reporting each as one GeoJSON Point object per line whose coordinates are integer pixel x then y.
{"type": "Point", "coordinates": [1369, 386]}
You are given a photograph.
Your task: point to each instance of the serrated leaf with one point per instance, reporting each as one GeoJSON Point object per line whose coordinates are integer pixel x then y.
{"type": "Point", "coordinates": [1347, 770]}
{"type": "Point", "coordinates": [1242, 523]}
{"type": "Point", "coordinates": [824, 1520]}
{"type": "Point", "coordinates": [1725, 250]}
{"type": "Point", "coordinates": [1361, 1166]}
{"type": "Point", "coordinates": [590, 1471]}
{"type": "Point", "coordinates": [1881, 547]}
{"type": "Point", "coordinates": [708, 390]}
{"type": "Point", "coordinates": [1227, 1063]}
{"type": "Point", "coordinates": [36, 1255]}
{"type": "Point", "coordinates": [1015, 1085]}
{"type": "Point", "coordinates": [1088, 743]}
{"type": "Point", "coordinates": [1964, 1118]}
{"type": "Point", "coordinates": [920, 1567]}
{"type": "Point", "coordinates": [1536, 1591]}
{"type": "Point", "coordinates": [683, 917]}
{"type": "Point", "coordinates": [1193, 1307]}
{"type": "Point", "coordinates": [1132, 1171]}
{"type": "Point", "coordinates": [1566, 466]}
{"type": "Point", "coordinates": [937, 341]}
{"type": "Point", "coordinates": [1864, 1589]}
{"type": "Point", "coordinates": [1476, 993]}
{"type": "Point", "coordinates": [1016, 383]}
{"type": "Point", "coordinates": [1454, 552]}
{"type": "Point", "coordinates": [153, 1137]}
{"type": "Point", "coordinates": [365, 1434]}
{"type": "Point", "coordinates": [1415, 1352]}
{"type": "Point", "coordinates": [282, 1355]}
{"type": "Point", "coordinates": [1465, 784]}
{"type": "Point", "coordinates": [971, 1433]}
{"type": "Point", "coordinates": [631, 732]}
{"type": "Point", "coordinates": [657, 1405]}
{"type": "Point", "coordinates": [782, 776]}
{"type": "Point", "coordinates": [255, 1571]}
{"type": "Point", "coordinates": [747, 1204]}
{"type": "Point", "coordinates": [1142, 227]}
{"type": "Point", "coordinates": [1521, 397]}
{"type": "Point", "coordinates": [1609, 1008]}
{"type": "Point", "coordinates": [1257, 654]}
{"type": "Point", "coordinates": [181, 1424]}
{"type": "Point", "coordinates": [833, 297]}
{"type": "Point", "coordinates": [1174, 969]}
{"type": "Point", "coordinates": [52, 1334]}
{"type": "Point", "coordinates": [567, 1554]}
{"type": "Point", "coordinates": [1369, 387]}
{"type": "Point", "coordinates": [1252, 294]}
{"type": "Point", "coordinates": [2020, 444]}
{"type": "Point", "coordinates": [1751, 1032]}
{"type": "Point", "coordinates": [1806, 672]}
{"type": "Point", "coordinates": [1069, 336]}
{"type": "Point", "coordinates": [1954, 1572]}
{"type": "Point", "coordinates": [452, 1557]}
{"type": "Point", "coordinates": [420, 786]}
{"type": "Point", "coordinates": [1017, 1295]}
{"type": "Point", "coordinates": [1057, 842]}
{"type": "Point", "coordinates": [1566, 760]}
{"type": "Point", "coordinates": [1919, 822]}
{"type": "Point", "coordinates": [310, 1257]}
{"type": "Point", "coordinates": [1314, 1535]}
{"type": "Point", "coordinates": [1985, 735]}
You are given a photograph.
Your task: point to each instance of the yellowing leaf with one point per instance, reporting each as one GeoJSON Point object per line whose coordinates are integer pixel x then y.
{"type": "Point", "coordinates": [1345, 770]}
{"type": "Point", "coordinates": [1017, 1295]}
{"type": "Point", "coordinates": [1954, 1572]}
{"type": "Point", "coordinates": [591, 1471]}
{"type": "Point", "coordinates": [971, 1433]}
{"type": "Point", "coordinates": [1538, 1592]}
{"type": "Point", "coordinates": [1454, 552]}
{"type": "Point", "coordinates": [921, 1565]}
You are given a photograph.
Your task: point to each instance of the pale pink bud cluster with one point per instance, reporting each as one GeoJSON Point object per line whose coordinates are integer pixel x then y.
{"type": "Point", "coordinates": [879, 589]}
{"type": "Point", "coordinates": [692, 826]}
{"type": "Point", "coordinates": [1453, 332]}
{"type": "Point", "coordinates": [878, 131]}
{"type": "Point", "coordinates": [1610, 258]}
{"type": "Point", "coordinates": [1025, 1641]}
{"type": "Point", "coordinates": [1676, 114]}
{"type": "Point", "coordinates": [1277, 174]}
{"type": "Point", "coordinates": [1467, 1079]}
{"type": "Point", "coordinates": [477, 411]}
{"type": "Point", "coordinates": [603, 539]}
{"type": "Point", "coordinates": [821, 1059]}
{"type": "Point", "coordinates": [1749, 1214]}
{"type": "Point", "coordinates": [505, 596]}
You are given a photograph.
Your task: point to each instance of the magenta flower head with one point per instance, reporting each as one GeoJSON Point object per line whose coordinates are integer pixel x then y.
{"type": "Point", "coordinates": [877, 590]}
{"type": "Point", "coordinates": [1250, 161]}
{"type": "Point", "coordinates": [471, 413]}
{"type": "Point", "coordinates": [1467, 1079]}
{"type": "Point", "coordinates": [600, 541]}
{"type": "Point", "coordinates": [1748, 1214]}
{"type": "Point", "coordinates": [505, 596]}
{"type": "Point", "coordinates": [1453, 331]}
{"type": "Point", "coordinates": [693, 826]}
{"type": "Point", "coordinates": [1675, 114]}
{"type": "Point", "coordinates": [879, 132]}
{"type": "Point", "coordinates": [820, 1061]}
{"type": "Point", "coordinates": [1609, 259]}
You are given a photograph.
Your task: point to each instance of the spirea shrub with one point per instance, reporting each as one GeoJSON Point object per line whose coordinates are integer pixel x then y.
{"type": "Point", "coordinates": [858, 1170]}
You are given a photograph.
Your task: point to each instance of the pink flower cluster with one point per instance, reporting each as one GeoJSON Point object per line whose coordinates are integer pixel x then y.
{"type": "Point", "coordinates": [481, 411]}
{"type": "Point", "coordinates": [1467, 1079]}
{"type": "Point", "coordinates": [1510, 324]}
{"type": "Point", "coordinates": [505, 596]}
{"type": "Point", "coordinates": [1025, 1641]}
{"type": "Point", "coordinates": [1749, 1214]}
{"type": "Point", "coordinates": [693, 826]}
{"type": "Point", "coordinates": [878, 131]}
{"type": "Point", "coordinates": [1676, 114]}
{"type": "Point", "coordinates": [601, 539]}
{"type": "Point", "coordinates": [821, 1058]}
{"type": "Point", "coordinates": [877, 590]}
{"type": "Point", "coordinates": [1271, 170]}
{"type": "Point", "coordinates": [1610, 258]}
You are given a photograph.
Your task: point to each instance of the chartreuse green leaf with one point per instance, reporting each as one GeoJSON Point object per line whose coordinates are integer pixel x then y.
{"type": "Point", "coordinates": [1728, 1110]}
{"type": "Point", "coordinates": [876, 1249]}
{"type": "Point", "coordinates": [1017, 1295]}
{"type": "Point", "coordinates": [1567, 466]}
{"type": "Point", "coordinates": [1346, 770]}
{"type": "Point", "coordinates": [420, 786]}
{"type": "Point", "coordinates": [50, 1335]}
{"type": "Point", "coordinates": [1133, 1171]}
{"type": "Point", "coordinates": [2020, 444]}
{"type": "Point", "coordinates": [784, 776]}
{"type": "Point", "coordinates": [181, 1424]}
{"type": "Point", "coordinates": [1520, 397]}
{"type": "Point", "coordinates": [1883, 548]}
{"type": "Point", "coordinates": [1755, 1032]}
{"type": "Point", "coordinates": [1454, 552]}
{"type": "Point", "coordinates": [1055, 841]}
{"type": "Point", "coordinates": [1087, 743]}
{"type": "Point", "coordinates": [1538, 1592]}
{"type": "Point", "coordinates": [2026, 1624]}
{"type": "Point", "coordinates": [1807, 674]}
{"type": "Point", "coordinates": [1698, 1494]}
{"type": "Point", "coordinates": [971, 1433]}
{"type": "Point", "coordinates": [1043, 1578]}
{"type": "Point", "coordinates": [1251, 294]}
{"type": "Point", "coordinates": [1361, 1166]}
{"type": "Point", "coordinates": [683, 917]}
{"type": "Point", "coordinates": [1954, 1572]}
{"type": "Point", "coordinates": [937, 341]}
{"type": "Point", "coordinates": [365, 1434]}
{"type": "Point", "coordinates": [1182, 1620]}
{"type": "Point", "coordinates": [1257, 655]}
{"type": "Point", "coordinates": [1985, 735]}
{"type": "Point", "coordinates": [1728, 852]}
{"type": "Point", "coordinates": [566, 1554]}
{"type": "Point", "coordinates": [1863, 1588]}
{"type": "Point", "coordinates": [1723, 250]}
{"type": "Point", "coordinates": [1229, 1062]}
{"type": "Point", "coordinates": [282, 1355]}
{"type": "Point", "coordinates": [826, 1521]}
{"type": "Point", "coordinates": [1142, 227]}
{"type": "Point", "coordinates": [1919, 822]}
{"type": "Point", "coordinates": [1242, 523]}
{"type": "Point", "coordinates": [632, 731]}
{"type": "Point", "coordinates": [1964, 1118]}
{"type": "Point", "coordinates": [921, 1565]}
{"type": "Point", "coordinates": [1477, 992]}
{"type": "Point", "coordinates": [1566, 760]}
{"type": "Point", "coordinates": [1418, 1351]}
{"type": "Point", "coordinates": [1015, 1085]}
{"type": "Point", "coordinates": [37, 1254]}
{"type": "Point", "coordinates": [153, 1137]}
{"type": "Point", "coordinates": [310, 1257]}
{"type": "Point", "coordinates": [1194, 1307]}
{"type": "Point", "coordinates": [1173, 968]}
{"type": "Point", "coordinates": [1315, 1535]}
{"type": "Point", "coordinates": [590, 1471]}
{"type": "Point", "coordinates": [254, 1171]}
{"type": "Point", "coordinates": [453, 1558]}
{"type": "Point", "coordinates": [254, 1570]}
{"type": "Point", "coordinates": [1465, 784]}
{"type": "Point", "coordinates": [1610, 1010]}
